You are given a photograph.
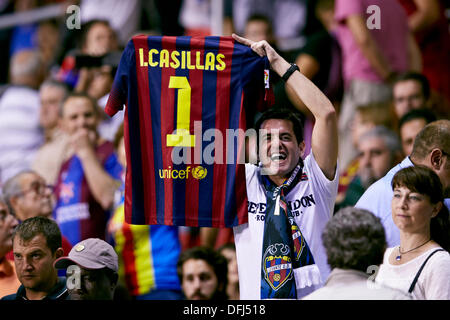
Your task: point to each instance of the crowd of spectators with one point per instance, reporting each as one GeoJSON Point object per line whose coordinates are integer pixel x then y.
{"type": "Point", "coordinates": [61, 157]}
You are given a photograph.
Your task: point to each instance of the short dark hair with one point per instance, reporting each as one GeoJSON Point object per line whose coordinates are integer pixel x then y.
{"type": "Point", "coordinates": [425, 85]}
{"type": "Point", "coordinates": [434, 135]}
{"type": "Point", "coordinates": [32, 227]}
{"type": "Point", "coordinates": [228, 245]}
{"type": "Point", "coordinates": [87, 26]}
{"type": "Point", "coordinates": [354, 239]}
{"type": "Point", "coordinates": [283, 114]}
{"type": "Point", "coordinates": [425, 181]}
{"type": "Point", "coordinates": [422, 113]}
{"type": "Point", "coordinates": [214, 259]}
{"type": "Point", "coordinates": [79, 95]}
{"type": "Point", "coordinates": [420, 179]}
{"type": "Point", "coordinates": [262, 18]}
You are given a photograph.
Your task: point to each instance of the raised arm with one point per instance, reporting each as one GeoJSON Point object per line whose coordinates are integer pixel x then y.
{"type": "Point", "coordinates": [324, 137]}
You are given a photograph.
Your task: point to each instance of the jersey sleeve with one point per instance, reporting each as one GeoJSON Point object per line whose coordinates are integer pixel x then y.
{"type": "Point", "coordinates": [119, 92]}
{"type": "Point", "coordinates": [113, 167]}
{"type": "Point", "coordinates": [255, 74]}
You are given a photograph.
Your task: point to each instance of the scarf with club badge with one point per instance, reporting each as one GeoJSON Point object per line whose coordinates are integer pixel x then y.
{"type": "Point", "coordinates": [287, 261]}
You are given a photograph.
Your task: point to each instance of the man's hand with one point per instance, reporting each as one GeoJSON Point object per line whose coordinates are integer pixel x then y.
{"type": "Point", "coordinates": [83, 141]}
{"type": "Point", "coordinates": [84, 79]}
{"type": "Point", "coordinates": [263, 48]}
{"type": "Point", "coordinates": [101, 184]}
{"type": "Point", "coordinates": [324, 136]}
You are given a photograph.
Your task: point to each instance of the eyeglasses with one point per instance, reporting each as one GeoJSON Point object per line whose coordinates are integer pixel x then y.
{"type": "Point", "coordinates": [38, 188]}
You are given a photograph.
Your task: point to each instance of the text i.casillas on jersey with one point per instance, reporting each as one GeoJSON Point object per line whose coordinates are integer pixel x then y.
{"type": "Point", "coordinates": [181, 60]}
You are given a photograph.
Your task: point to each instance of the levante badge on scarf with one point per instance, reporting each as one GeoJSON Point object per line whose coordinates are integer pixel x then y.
{"type": "Point", "coordinates": [285, 250]}
{"type": "Point", "coordinates": [277, 265]}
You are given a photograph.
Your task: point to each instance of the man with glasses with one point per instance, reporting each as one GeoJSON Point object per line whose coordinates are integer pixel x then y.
{"type": "Point", "coordinates": [431, 149]}
{"type": "Point", "coordinates": [27, 195]}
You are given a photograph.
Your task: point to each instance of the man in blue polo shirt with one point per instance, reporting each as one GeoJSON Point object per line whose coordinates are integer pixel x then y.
{"type": "Point", "coordinates": [431, 149]}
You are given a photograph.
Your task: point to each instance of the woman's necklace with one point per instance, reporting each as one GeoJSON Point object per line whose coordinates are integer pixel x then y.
{"type": "Point", "coordinates": [398, 258]}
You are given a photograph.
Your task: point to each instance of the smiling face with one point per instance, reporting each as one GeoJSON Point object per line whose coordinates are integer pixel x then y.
{"type": "Point", "coordinates": [78, 112]}
{"type": "Point", "coordinates": [412, 211]}
{"type": "Point", "coordinates": [279, 149]}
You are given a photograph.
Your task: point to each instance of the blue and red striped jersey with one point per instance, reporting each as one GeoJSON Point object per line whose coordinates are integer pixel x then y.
{"type": "Point", "coordinates": [184, 98]}
{"type": "Point", "coordinates": [78, 214]}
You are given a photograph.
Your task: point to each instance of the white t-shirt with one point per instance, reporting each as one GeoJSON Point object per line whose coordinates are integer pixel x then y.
{"type": "Point", "coordinates": [311, 202]}
{"type": "Point", "coordinates": [20, 133]}
{"type": "Point", "coordinates": [433, 282]}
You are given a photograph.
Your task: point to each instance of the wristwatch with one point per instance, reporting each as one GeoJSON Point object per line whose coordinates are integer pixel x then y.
{"type": "Point", "coordinates": [290, 71]}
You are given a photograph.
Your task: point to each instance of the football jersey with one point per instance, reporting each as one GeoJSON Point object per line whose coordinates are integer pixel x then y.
{"type": "Point", "coordinates": [148, 254]}
{"type": "Point", "coordinates": [185, 97]}
{"type": "Point", "coordinates": [78, 214]}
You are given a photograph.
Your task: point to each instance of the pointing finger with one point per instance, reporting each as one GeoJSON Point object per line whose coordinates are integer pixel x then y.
{"type": "Point", "coordinates": [242, 40]}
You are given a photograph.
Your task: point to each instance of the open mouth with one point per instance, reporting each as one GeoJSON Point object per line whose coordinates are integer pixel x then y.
{"type": "Point", "coordinates": [278, 156]}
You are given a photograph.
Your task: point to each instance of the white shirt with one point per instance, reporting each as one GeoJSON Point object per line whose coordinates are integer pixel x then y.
{"type": "Point", "coordinates": [108, 127]}
{"type": "Point", "coordinates": [433, 282]}
{"type": "Point", "coordinates": [20, 133]}
{"type": "Point", "coordinates": [311, 203]}
{"type": "Point", "coordinates": [354, 285]}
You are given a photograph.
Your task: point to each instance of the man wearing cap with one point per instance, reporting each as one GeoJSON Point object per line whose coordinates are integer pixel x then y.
{"type": "Point", "coordinates": [92, 267]}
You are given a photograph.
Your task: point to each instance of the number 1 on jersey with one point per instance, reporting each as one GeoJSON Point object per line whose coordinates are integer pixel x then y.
{"type": "Point", "coordinates": [182, 138]}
